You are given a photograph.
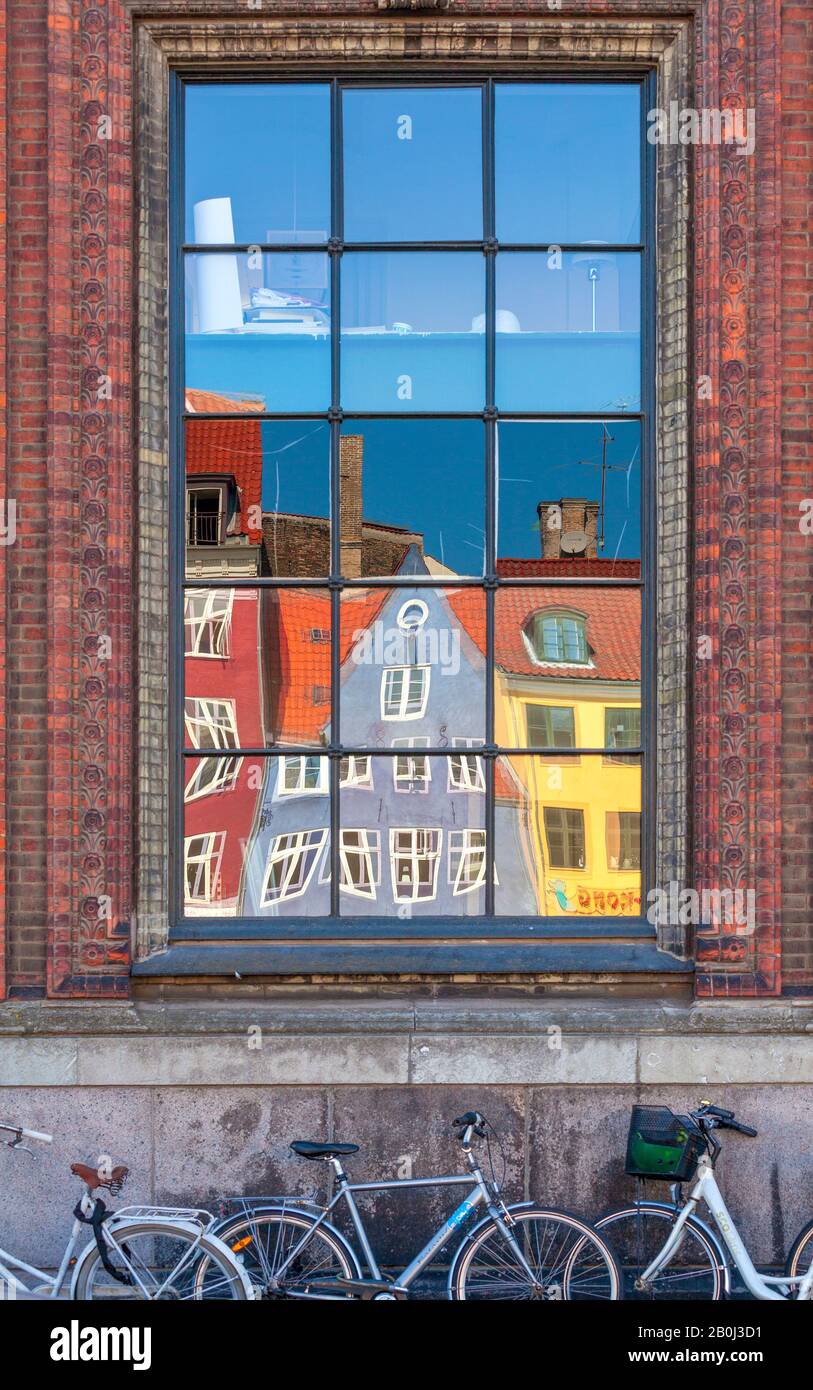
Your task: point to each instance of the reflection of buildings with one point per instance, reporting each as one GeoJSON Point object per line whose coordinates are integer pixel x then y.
{"type": "Point", "coordinates": [568, 676]}
{"type": "Point", "coordinates": [224, 681]}
{"type": "Point", "coordinates": [412, 663]}
{"type": "Point", "coordinates": [412, 827]}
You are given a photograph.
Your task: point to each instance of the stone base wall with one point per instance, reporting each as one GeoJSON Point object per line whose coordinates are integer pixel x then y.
{"type": "Point", "coordinates": [201, 1106]}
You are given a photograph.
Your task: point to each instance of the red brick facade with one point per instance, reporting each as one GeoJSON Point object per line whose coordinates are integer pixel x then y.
{"type": "Point", "coordinates": [66, 709]}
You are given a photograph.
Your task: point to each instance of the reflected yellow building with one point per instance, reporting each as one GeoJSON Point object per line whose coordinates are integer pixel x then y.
{"type": "Point", "coordinates": [568, 678]}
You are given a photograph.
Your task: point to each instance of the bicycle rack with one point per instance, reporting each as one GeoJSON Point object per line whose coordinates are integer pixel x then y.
{"type": "Point", "coordinates": [199, 1216]}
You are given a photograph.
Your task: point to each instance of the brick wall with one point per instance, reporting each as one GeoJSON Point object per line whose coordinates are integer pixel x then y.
{"type": "Point", "coordinates": [797, 462]}
{"type": "Point", "coordinates": [27, 381]}
{"type": "Point", "coordinates": [69, 290]}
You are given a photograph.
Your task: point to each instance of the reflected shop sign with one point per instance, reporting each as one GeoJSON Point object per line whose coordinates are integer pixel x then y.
{"type": "Point", "coordinates": [592, 902]}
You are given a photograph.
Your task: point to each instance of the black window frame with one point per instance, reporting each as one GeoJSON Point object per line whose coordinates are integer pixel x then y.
{"type": "Point", "coordinates": [338, 926]}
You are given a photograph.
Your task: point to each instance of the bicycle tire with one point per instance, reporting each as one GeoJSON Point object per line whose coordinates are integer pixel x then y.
{"type": "Point", "coordinates": [801, 1252]}
{"type": "Point", "coordinates": [703, 1281]}
{"type": "Point", "coordinates": [92, 1283]}
{"type": "Point", "coordinates": [560, 1280]}
{"type": "Point", "coordinates": [245, 1231]}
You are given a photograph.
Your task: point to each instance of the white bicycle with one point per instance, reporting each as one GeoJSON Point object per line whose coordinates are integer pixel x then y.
{"type": "Point", "coordinates": [137, 1252]}
{"type": "Point", "coordinates": [664, 1248]}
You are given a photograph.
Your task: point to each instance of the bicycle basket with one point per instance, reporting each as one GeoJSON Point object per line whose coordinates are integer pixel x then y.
{"type": "Point", "coordinates": [662, 1145]}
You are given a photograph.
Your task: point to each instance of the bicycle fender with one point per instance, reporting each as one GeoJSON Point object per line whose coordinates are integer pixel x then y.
{"type": "Point", "coordinates": [220, 1228]}
{"type": "Point", "coordinates": [469, 1237]}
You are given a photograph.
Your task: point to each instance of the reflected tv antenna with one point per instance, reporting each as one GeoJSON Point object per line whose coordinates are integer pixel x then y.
{"type": "Point", "coordinates": [606, 438]}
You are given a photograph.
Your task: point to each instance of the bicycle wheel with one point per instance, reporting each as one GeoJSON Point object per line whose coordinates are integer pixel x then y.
{"type": "Point", "coordinates": [160, 1262]}
{"type": "Point", "coordinates": [569, 1260]}
{"type": "Point", "coordinates": [637, 1233]}
{"type": "Point", "coordinates": [263, 1240]}
{"type": "Point", "coordinates": [801, 1253]}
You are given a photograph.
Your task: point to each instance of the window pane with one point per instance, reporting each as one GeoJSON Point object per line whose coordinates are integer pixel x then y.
{"type": "Point", "coordinates": [416, 844]}
{"type": "Point", "coordinates": [568, 331]}
{"type": "Point", "coordinates": [413, 164]}
{"type": "Point", "coordinates": [622, 729]}
{"type": "Point", "coordinates": [577, 647]}
{"type": "Point", "coordinates": [412, 497]}
{"type": "Point", "coordinates": [257, 162]}
{"type": "Point", "coordinates": [569, 832]}
{"type": "Point", "coordinates": [567, 162]}
{"type": "Point", "coordinates": [257, 497]}
{"type": "Point", "coordinates": [287, 859]}
{"type": "Point", "coordinates": [413, 664]}
{"type": "Point", "coordinates": [222, 796]}
{"type": "Point", "coordinates": [569, 496]}
{"type": "Point", "coordinates": [412, 331]}
{"type": "Point", "coordinates": [258, 330]}
{"type": "Point", "coordinates": [265, 653]}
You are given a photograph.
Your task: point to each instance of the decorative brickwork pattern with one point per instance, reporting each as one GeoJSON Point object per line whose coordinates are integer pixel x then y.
{"type": "Point", "coordinates": [797, 453]}
{"type": "Point", "coordinates": [90, 456]}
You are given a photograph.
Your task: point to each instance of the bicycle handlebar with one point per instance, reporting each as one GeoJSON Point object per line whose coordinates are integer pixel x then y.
{"type": "Point", "coordinates": [27, 1133]}
{"type": "Point", "coordinates": [723, 1119]}
{"type": "Point", "coordinates": [472, 1120]}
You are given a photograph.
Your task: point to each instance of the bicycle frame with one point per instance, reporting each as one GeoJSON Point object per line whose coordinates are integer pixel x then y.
{"type": "Point", "coordinates": [761, 1286]}
{"type": "Point", "coordinates": [481, 1193]}
{"type": "Point", "coordinates": [53, 1283]}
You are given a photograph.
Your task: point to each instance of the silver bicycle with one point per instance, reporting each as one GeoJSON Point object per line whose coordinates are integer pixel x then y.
{"type": "Point", "coordinates": [665, 1249]}
{"type": "Point", "coordinates": [292, 1250]}
{"type": "Point", "coordinates": [137, 1252]}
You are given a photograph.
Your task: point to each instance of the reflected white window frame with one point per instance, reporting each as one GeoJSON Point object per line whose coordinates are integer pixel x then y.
{"type": "Point", "coordinates": [414, 624]}
{"type": "Point", "coordinates": [204, 853]}
{"type": "Point", "coordinates": [215, 619]}
{"type": "Point", "coordinates": [299, 763]}
{"type": "Point", "coordinates": [566, 868]}
{"type": "Point", "coordinates": [411, 773]}
{"type": "Point", "coordinates": [218, 719]}
{"type": "Point", "coordinates": [403, 707]}
{"type": "Point", "coordinates": [467, 850]}
{"type": "Point", "coordinates": [466, 771]}
{"type": "Point", "coordinates": [414, 847]}
{"type": "Point", "coordinates": [367, 851]}
{"type": "Point", "coordinates": [559, 616]}
{"type": "Point", "coordinates": [359, 771]}
{"type": "Point", "coordinates": [298, 852]}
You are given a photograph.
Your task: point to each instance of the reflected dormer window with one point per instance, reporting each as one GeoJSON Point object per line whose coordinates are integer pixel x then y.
{"type": "Point", "coordinates": [558, 637]}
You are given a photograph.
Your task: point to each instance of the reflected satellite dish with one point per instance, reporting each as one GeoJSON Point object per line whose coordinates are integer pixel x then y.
{"type": "Point", "coordinates": [573, 542]}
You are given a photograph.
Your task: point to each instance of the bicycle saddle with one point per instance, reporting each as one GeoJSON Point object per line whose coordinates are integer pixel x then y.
{"type": "Point", "coordinates": [305, 1149]}
{"type": "Point", "coordinates": [91, 1175]}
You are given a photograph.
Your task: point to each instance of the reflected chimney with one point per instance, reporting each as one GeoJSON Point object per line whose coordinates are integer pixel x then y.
{"type": "Point", "coordinates": [351, 459]}
{"type": "Point", "coordinates": [568, 529]}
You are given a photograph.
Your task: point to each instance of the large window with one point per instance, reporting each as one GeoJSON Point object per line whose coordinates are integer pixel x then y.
{"type": "Point", "coordinates": [413, 415]}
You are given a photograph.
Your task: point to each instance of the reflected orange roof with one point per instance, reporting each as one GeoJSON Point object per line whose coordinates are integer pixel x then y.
{"type": "Point", "coordinates": [613, 629]}
{"type": "Point", "coordinates": [575, 568]}
{"type": "Point", "coordinates": [232, 447]}
{"type": "Point", "coordinates": [211, 403]}
{"type": "Point", "coordinates": [299, 623]}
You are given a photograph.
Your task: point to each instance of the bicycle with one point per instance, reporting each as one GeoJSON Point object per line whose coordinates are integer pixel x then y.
{"type": "Point", "coordinates": [667, 1251]}
{"type": "Point", "coordinates": [521, 1251]}
{"type": "Point", "coordinates": [137, 1252]}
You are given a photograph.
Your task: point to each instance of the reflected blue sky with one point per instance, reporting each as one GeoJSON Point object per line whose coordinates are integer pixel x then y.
{"type": "Point", "coordinates": [267, 147]}
{"type": "Point", "coordinates": [567, 161]}
{"type": "Point", "coordinates": [412, 164]}
{"type": "Point", "coordinates": [544, 462]}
